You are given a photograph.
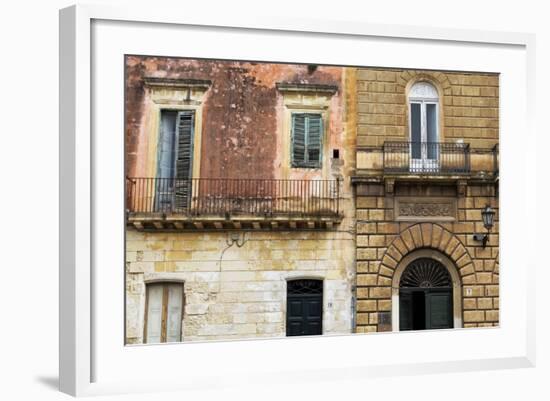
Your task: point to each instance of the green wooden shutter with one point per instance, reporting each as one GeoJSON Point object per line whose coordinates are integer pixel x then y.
{"type": "Point", "coordinates": [314, 139]}
{"type": "Point", "coordinates": [307, 137]}
{"type": "Point", "coordinates": [298, 140]}
{"type": "Point", "coordinates": [184, 159]}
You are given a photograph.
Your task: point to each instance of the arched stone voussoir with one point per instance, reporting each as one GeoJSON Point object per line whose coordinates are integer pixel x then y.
{"type": "Point", "coordinates": [432, 236]}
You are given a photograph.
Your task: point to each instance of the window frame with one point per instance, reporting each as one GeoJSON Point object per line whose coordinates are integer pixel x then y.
{"type": "Point", "coordinates": [423, 101]}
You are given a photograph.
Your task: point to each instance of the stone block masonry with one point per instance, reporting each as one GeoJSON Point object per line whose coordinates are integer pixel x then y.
{"type": "Point", "coordinates": [236, 292]}
{"type": "Point", "coordinates": [381, 245]}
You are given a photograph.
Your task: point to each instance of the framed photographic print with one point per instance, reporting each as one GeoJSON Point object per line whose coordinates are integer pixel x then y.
{"type": "Point", "coordinates": [317, 197]}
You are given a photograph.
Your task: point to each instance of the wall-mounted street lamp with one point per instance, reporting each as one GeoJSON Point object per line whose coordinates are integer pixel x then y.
{"type": "Point", "coordinates": [488, 217]}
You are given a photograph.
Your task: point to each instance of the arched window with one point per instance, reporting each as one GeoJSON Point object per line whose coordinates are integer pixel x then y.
{"type": "Point", "coordinates": [423, 123]}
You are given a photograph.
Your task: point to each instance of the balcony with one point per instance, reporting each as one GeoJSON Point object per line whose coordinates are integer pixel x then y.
{"type": "Point", "coordinates": [217, 203]}
{"type": "Point", "coordinates": [427, 158]}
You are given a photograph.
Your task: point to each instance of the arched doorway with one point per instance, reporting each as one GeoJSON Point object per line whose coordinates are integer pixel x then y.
{"type": "Point", "coordinates": [425, 296]}
{"type": "Point", "coordinates": [304, 314]}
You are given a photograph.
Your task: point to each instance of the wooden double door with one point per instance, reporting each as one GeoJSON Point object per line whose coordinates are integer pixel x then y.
{"type": "Point", "coordinates": [425, 296]}
{"type": "Point", "coordinates": [425, 308]}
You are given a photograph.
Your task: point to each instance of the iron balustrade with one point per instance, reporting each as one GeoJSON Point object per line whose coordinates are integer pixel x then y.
{"type": "Point", "coordinates": [426, 158]}
{"type": "Point", "coordinates": [226, 197]}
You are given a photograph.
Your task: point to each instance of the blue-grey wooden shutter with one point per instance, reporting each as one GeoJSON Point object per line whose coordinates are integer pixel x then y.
{"type": "Point", "coordinates": [167, 144]}
{"type": "Point", "coordinates": [307, 137]}
{"type": "Point", "coordinates": [184, 158]}
{"type": "Point", "coordinates": [166, 158]}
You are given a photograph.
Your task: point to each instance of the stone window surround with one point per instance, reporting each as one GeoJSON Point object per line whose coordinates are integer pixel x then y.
{"type": "Point", "coordinates": [305, 98]}
{"type": "Point", "coordinates": [173, 94]}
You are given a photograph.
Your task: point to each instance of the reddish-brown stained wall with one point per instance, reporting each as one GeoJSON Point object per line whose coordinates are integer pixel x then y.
{"type": "Point", "coordinates": [240, 112]}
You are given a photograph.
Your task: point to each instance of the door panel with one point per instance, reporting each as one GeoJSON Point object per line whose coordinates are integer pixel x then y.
{"type": "Point", "coordinates": [405, 311]}
{"type": "Point", "coordinates": [304, 315]}
{"type": "Point", "coordinates": [439, 311]}
{"type": "Point", "coordinates": [154, 313]}
{"type": "Point", "coordinates": [421, 308]}
{"type": "Point", "coordinates": [174, 312]}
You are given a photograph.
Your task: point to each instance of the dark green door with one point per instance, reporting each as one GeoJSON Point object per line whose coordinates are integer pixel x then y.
{"type": "Point", "coordinates": [304, 315]}
{"type": "Point", "coordinates": [425, 309]}
{"type": "Point", "coordinates": [425, 296]}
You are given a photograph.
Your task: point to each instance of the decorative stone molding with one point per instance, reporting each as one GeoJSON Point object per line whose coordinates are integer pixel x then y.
{"type": "Point", "coordinates": [301, 88]}
{"type": "Point", "coordinates": [425, 209]}
{"type": "Point", "coordinates": [170, 91]}
{"type": "Point", "coordinates": [198, 84]}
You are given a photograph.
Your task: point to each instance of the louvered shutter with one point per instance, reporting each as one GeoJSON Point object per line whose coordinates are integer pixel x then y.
{"type": "Point", "coordinates": [184, 160]}
{"type": "Point", "coordinates": [298, 140]}
{"type": "Point", "coordinates": [307, 138]}
{"type": "Point", "coordinates": [314, 139]}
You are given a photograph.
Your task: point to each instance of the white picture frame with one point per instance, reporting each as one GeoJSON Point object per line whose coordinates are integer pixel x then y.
{"type": "Point", "coordinates": [90, 363]}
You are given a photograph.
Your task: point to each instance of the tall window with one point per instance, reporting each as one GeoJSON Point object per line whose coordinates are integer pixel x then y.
{"type": "Point", "coordinates": [423, 112]}
{"type": "Point", "coordinates": [174, 159]}
{"type": "Point", "coordinates": [307, 140]}
{"type": "Point", "coordinates": [163, 312]}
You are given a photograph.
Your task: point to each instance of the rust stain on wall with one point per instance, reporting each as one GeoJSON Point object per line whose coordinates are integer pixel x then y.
{"type": "Point", "coordinates": [239, 125]}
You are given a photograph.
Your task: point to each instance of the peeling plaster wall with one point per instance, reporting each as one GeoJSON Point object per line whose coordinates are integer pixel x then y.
{"type": "Point", "coordinates": [242, 112]}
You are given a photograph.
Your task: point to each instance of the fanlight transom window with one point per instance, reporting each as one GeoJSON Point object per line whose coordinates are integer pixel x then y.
{"type": "Point", "coordinates": [426, 273]}
{"type": "Point", "coordinates": [424, 91]}
{"type": "Point", "coordinates": [305, 286]}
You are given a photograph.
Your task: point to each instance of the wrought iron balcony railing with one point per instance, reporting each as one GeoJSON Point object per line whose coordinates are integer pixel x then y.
{"type": "Point", "coordinates": [432, 158]}
{"type": "Point", "coordinates": [228, 197]}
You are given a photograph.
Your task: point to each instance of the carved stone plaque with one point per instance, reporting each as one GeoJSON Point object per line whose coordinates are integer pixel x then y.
{"type": "Point", "coordinates": [425, 209]}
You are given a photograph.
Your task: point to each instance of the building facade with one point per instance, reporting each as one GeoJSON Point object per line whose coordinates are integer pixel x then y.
{"type": "Point", "coordinates": [267, 199]}
{"type": "Point", "coordinates": [240, 212]}
{"type": "Point", "coordinates": [426, 190]}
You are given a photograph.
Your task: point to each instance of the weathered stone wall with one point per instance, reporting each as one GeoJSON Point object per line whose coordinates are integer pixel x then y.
{"type": "Point", "coordinates": [234, 292]}
{"type": "Point", "coordinates": [469, 111]}
{"type": "Point", "coordinates": [382, 242]}
{"type": "Point", "coordinates": [469, 105]}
